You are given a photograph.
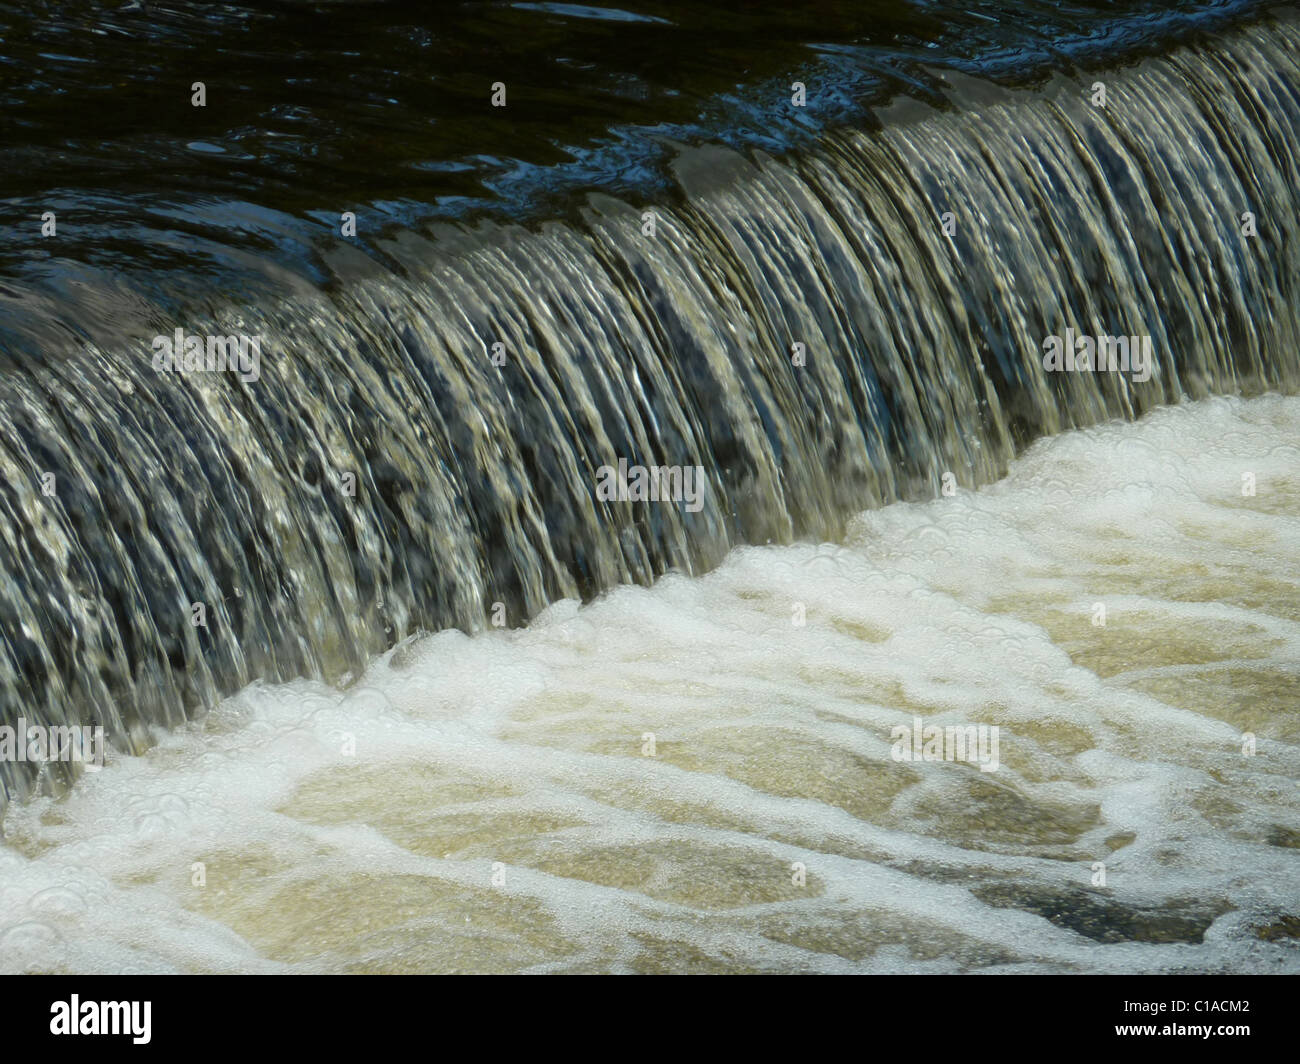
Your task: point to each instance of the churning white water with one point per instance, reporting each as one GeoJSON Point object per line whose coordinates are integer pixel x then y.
{"type": "Point", "coordinates": [686, 779]}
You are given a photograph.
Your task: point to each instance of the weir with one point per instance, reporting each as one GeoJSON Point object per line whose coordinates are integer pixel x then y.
{"type": "Point", "coordinates": [386, 474]}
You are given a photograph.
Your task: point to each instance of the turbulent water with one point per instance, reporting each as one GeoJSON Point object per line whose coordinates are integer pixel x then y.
{"type": "Point", "coordinates": [652, 736]}
{"type": "Point", "coordinates": [490, 803]}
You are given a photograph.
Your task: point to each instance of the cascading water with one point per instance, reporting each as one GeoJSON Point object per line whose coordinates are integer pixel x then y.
{"type": "Point", "coordinates": [848, 339]}
{"type": "Point", "coordinates": [474, 477]}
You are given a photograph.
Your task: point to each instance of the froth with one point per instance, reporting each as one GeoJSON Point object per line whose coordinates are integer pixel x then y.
{"type": "Point", "coordinates": [698, 776]}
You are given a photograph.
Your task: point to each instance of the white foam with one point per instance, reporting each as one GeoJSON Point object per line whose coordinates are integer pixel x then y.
{"type": "Point", "coordinates": [520, 753]}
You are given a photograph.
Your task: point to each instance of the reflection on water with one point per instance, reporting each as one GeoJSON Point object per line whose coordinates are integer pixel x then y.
{"type": "Point", "coordinates": [383, 108]}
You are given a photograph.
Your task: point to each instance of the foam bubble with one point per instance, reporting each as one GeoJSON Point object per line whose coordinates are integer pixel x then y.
{"type": "Point", "coordinates": [699, 776]}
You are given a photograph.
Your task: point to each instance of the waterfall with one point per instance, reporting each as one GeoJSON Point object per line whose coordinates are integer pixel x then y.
{"type": "Point", "coordinates": [819, 334]}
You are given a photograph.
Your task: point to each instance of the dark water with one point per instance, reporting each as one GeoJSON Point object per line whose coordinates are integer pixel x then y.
{"type": "Point", "coordinates": [383, 108]}
{"type": "Point", "coordinates": [475, 480]}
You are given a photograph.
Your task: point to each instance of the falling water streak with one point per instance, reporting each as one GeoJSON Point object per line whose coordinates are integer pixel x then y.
{"type": "Point", "coordinates": [475, 482]}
